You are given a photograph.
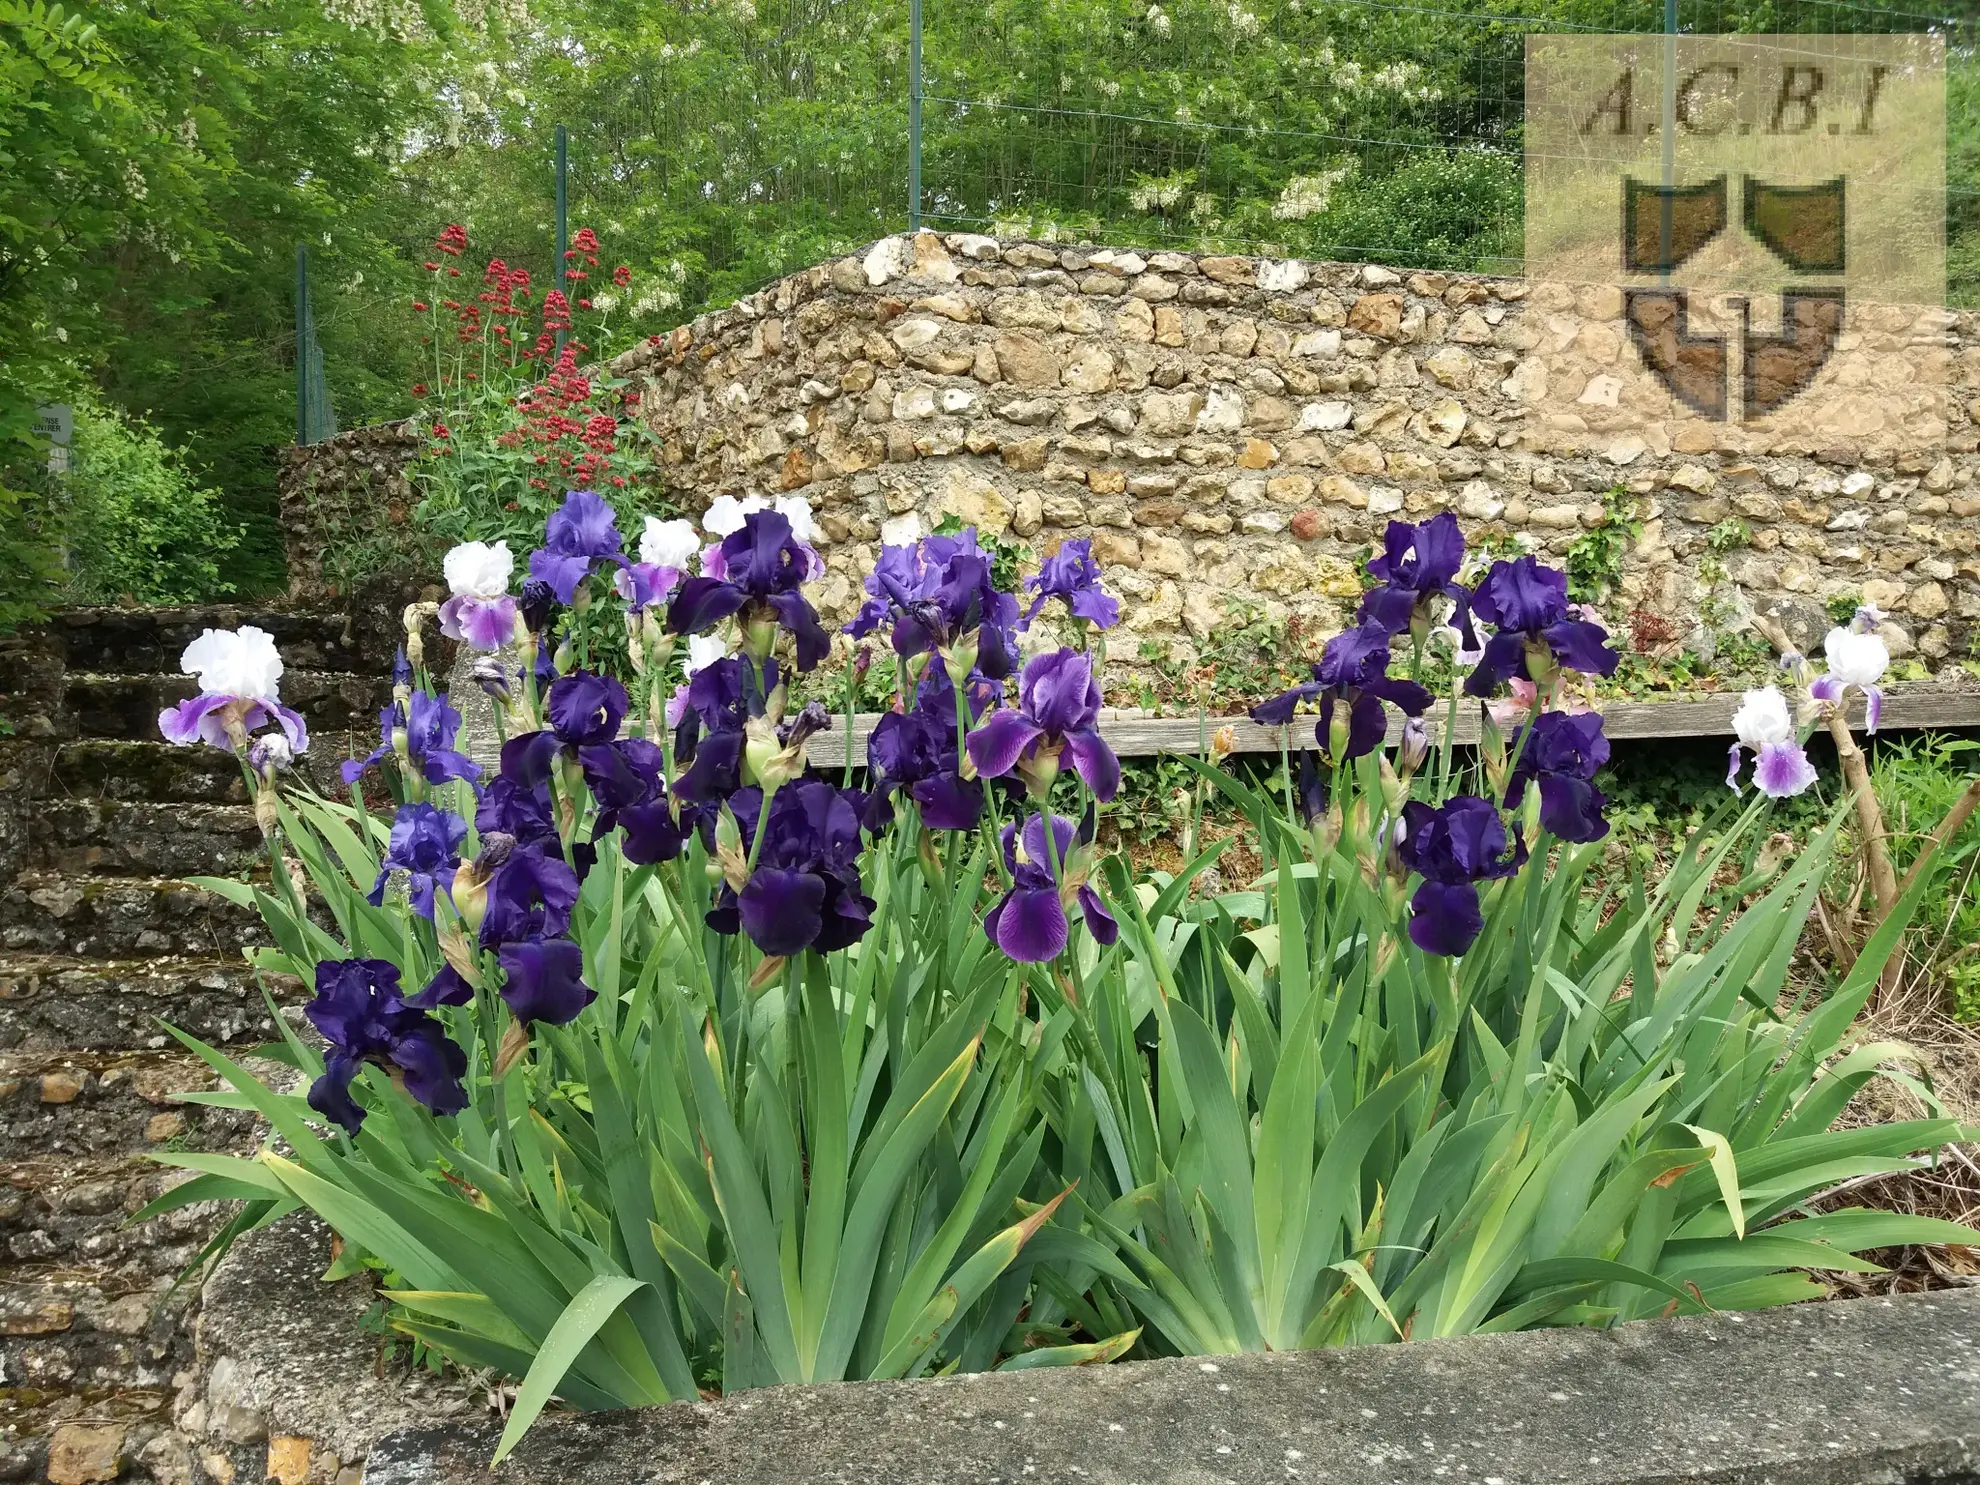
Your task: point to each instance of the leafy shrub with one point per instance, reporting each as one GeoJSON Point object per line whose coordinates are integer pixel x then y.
{"type": "Point", "coordinates": [141, 527]}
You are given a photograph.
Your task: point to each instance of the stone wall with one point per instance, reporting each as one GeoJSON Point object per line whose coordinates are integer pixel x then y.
{"type": "Point", "coordinates": [1234, 428]}
{"type": "Point", "coordinates": [346, 508]}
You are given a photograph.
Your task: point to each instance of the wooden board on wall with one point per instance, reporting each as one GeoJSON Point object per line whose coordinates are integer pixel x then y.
{"type": "Point", "coordinates": [1136, 736]}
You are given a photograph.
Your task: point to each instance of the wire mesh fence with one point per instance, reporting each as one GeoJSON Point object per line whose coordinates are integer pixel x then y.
{"type": "Point", "coordinates": [1348, 129]}
{"type": "Point", "coordinates": [728, 143]}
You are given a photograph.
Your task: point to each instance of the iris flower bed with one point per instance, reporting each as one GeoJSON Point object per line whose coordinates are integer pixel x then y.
{"type": "Point", "coordinates": [653, 1061]}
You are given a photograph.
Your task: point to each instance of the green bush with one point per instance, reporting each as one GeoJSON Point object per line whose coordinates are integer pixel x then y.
{"type": "Point", "coordinates": [140, 527]}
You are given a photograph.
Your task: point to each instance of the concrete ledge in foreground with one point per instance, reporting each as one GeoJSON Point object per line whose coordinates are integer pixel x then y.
{"type": "Point", "coordinates": [1854, 1392]}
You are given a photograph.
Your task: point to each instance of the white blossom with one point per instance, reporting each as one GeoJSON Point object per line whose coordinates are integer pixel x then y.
{"type": "Point", "coordinates": [235, 662]}
{"type": "Point", "coordinates": [479, 569]}
{"type": "Point", "coordinates": [1763, 719]}
{"type": "Point", "coordinates": [1856, 659]}
{"type": "Point", "coordinates": [668, 543]}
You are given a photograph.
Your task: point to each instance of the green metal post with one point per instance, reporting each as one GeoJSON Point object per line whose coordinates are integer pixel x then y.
{"type": "Point", "coordinates": [563, 219]}
{"type": "Point", "coordinates": [914, 115]}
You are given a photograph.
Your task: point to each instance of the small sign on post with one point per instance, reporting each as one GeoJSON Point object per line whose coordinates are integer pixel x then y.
{"type": "Point", "coordinates": [56, 422]}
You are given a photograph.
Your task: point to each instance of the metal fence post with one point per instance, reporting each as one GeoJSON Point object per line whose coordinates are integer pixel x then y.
{"type": "Point", "coordinates": [560, 281]}
{"type": "Point", "coordinates": [914, 115]}
{"type": "Point", "coordinates": [302, 342]}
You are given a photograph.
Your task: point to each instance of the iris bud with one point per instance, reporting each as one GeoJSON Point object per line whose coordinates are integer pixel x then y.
{"type": "Point", "coordinates": [1414, 748]}
{"type": "Point", "coordinates": [760, 636]}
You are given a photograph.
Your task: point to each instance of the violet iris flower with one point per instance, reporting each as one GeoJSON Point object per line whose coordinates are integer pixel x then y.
{"type": "Point", "coordinates": [1029, 922]}
{"type": "Point", "coordinates": [916, 751]}
{"type": "Point", "coordinates": [1417, 564]}
{"type": "Point", "coordinates": [1058, 707]}
{"type": "Point", "coordinates": [722, 699]}
{"type": "Point", "coordinates": [936, 593]}
{"type": "Point", "coordinates": [361, 1014]}
{"type": "Point", "coordinates": [579, 535]}
{"type": "Point", "coordinates": [1454, 846]}
{"type": "Point", "coordinates": [805, 889]}
{"type": "Point", "coordinates": [431, 726]}
{"type": "Point", "coordinates": [530, 896]}
{"type": "Point", "coordinates": [1528, 604]}
{"type": "Point", "coordinates": [765, 566]}
{"type": "Point", "coordinates": [1353, 672]}
{"type": "Point", "coordinates": [239, 672]}
{"type": "Point", "coordinates": [426, 845]}
{"type": "Point", "coordinates": [1765, 725]}
{"type": "Point", "coordinates": [1564, 751]}
{"type": "Point", "coordinates": [480, 614]}
{"type": "Point", "coordinates": [1072, 574]}
{"type": "Point", "coordinates": [543, 980]}
{"type": "Point", "coordinates": [585, 711]}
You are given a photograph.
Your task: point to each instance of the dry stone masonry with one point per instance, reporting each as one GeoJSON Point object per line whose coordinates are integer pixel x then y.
{"type": "Point", "coordinates": [1239, 429]}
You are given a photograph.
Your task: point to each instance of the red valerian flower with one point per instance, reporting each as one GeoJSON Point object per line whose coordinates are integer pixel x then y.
{"type": "Point", "coordinates": [622, 275]}
{"type": "Point", "coordinates": [453, 239]}
{"type": "Point", "coordinates": [420, 306]}
{"type": "Point", "coordinates": [556, 311]}
{"type": "Point", "coordinates": [584, 304]}
{"type": "Point", "coordinates": [419, 389]}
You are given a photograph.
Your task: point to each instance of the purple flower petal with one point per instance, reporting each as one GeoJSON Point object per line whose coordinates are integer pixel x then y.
{"type": "Point", "coordinates": [1732, 768]}
{"type": "Point", "coordinates": [1095, 762]}
{"type": "Point", "coordinates": [543, 980]}
{"type": "Point", "coordinates": [1783, 770]}
{"type": "Point", "coordinates": [703, 602]}
{"type": "Point", "coordinates": [560, 574]}
{"type": "Point", "coordinates": [1029, 925]}
{"type": "Point", "coordinates": [996, 746]}
{"type": "Point", "coordinates": [1445, 918]}
{"type": "Point", "coordinates": [949, 802]}
{"type": "Point", "coordinates": [480, 623]}
{"type": "Point", "coordinates": [1099, 922]}
{"type": "Point", "coordinates": [1873, 708]}
{"type": "Point", "coordinates": [782, 911]}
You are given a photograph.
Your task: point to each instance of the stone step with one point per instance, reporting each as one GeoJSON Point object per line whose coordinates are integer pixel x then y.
{"type": "Point", "coordinates": [150, 771]}
{"type": "Point", "coordinates": [109, 917]}
{"type": "Point", "coordinates": [142, 641]}
{"type": "Point", "coordinates": [108, 838]}
{"type": "Point", "coordinates": [126, 706]}
{"type": "Point", "coordinates": [53, 1002]}
{"type": "Point", "coordinates": [84, 1306]}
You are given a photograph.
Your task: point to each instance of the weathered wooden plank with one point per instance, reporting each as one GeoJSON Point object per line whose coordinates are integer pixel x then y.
{"type": "Point", "coordinates": [1905, 709]}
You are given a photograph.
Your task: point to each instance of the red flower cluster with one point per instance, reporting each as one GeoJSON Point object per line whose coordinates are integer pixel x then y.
{"type": "Point", "coordinates": [583, 245]}
{"type": "Point", "coordinates": [452, 240]}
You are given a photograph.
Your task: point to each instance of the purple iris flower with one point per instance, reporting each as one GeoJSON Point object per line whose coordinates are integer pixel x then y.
{"type": "Point", "coordinates": [722, 699]}
{"type": "Point", "coordinates": [525, 812]}
{"type": "Point", "coordinates": [1454, 846]}
{"type": "Point", "coordinates": [426, 845]}
{"type": "Point", "coordinates": [765, 566]}
{"type": "Point", "coordinates": [585, 711]}
{"type": "Point", "coordinates": [579, 534]}
{"type": "Point", "coordinates": [1353, 672]}
{"type": "Point", "coordinates": [1058, 705]}
{"type": "Point", "coordinates": [936, 593]}
{"type": "Point", "coordinates": [240, 673]}
{"type": "Point", "coordinates": [916, 751]}
{"type": "Point", "coordinates": [359, 1010]}
{"type": "Point", "coordinates": [1417, 564]}
{"type": "Point", "coordinates": [1528, 604]}
{"type": "Point", "coordinates": [1029, 922]}
{"type": "Point", "coordinates": [530, 896]}
{"type": "Point", "coordinates": [543, 980]}
{"type": "Point", "coordinates": [430, 726]}
{"type": "Point", "coordinates": [1072, 574]}
{"type": "Point", "coordinates": [1564, 752]}
{"type": "Point", "coordinates": [805, 889]}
